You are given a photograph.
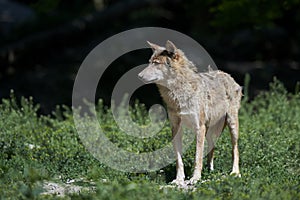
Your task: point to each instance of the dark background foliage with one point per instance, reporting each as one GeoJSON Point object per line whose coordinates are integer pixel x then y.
{"type": "Point", "coordinates": [43, 42]}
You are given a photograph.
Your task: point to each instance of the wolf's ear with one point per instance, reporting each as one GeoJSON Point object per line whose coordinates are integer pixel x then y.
{"type": "Point", "coordinates": [170, 47]}
{"type": "Point", "coordinates": [153, 46]}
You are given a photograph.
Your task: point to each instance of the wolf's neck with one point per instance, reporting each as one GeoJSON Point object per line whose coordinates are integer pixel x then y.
{"type": "Point", "coordinates": [181, 93]}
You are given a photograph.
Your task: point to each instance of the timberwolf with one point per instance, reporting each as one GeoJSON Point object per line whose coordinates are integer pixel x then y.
{"type": "Point", "coordinates": [205, 102]}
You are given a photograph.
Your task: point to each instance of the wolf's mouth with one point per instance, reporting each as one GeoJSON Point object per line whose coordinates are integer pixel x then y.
{"type": "Point", "coordinates": [149, 81]}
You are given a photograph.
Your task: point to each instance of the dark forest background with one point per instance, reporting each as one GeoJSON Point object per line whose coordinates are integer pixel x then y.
{"type": "Point", "coordinates": [43, 42]}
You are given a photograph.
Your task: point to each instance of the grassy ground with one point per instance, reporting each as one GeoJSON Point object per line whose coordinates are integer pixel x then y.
{"type": "Point", "coordinates": [39, 150]}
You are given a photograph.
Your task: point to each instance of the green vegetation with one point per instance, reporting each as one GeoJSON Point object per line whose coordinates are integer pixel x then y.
{"type": "Point", "coordinates": [37, 149]}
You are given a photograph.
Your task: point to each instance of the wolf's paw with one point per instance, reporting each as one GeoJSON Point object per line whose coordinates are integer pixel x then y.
{"type": "Point", "coordinates": [193, 180]}
{"type": "Point", "coordinates": [178, 182]}
{"type": "Point", "coordinates": [236, 174]}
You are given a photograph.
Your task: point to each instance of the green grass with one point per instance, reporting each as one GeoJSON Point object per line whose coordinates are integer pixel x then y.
{"type": "Point", "coordinates": [269, 154]}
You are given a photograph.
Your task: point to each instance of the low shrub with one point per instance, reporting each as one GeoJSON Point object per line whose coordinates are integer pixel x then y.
{"type": "Point", "coordinates": [36, 148]}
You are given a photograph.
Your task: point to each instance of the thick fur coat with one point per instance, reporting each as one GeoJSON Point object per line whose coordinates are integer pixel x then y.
{"type": "Point", "coordinates": [204, 102]}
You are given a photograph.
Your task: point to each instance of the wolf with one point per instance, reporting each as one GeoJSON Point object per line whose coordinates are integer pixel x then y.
{"type": "Point", "coordinates": [205, 102]}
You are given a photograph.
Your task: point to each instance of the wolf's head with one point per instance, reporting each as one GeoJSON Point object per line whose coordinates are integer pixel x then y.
{"type": "Point", "coordinates": [165, 63]}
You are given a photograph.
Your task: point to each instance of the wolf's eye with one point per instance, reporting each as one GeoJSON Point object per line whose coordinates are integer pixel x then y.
{"type": "Point", "coordinates": [156, 62]}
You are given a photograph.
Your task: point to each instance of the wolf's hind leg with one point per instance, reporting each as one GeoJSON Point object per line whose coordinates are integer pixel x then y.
{"type": "Point", "coordinates": [211, 148]}
{"type": "Point", "coordinates": [213, 133]}
{"type": "Point", "coordinates": [233, 123]}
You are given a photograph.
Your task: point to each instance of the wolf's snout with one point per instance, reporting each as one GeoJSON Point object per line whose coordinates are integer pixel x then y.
{"type": "Point", "coordinates": [140, 75]}
{"type": "Point", "coordinates": [144, 77]}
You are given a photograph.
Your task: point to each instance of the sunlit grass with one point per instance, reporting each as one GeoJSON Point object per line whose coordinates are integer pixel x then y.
{"type": "Point", "coordinates": [34, 149]}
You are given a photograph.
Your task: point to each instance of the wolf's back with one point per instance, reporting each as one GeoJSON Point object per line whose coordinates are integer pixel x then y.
{"type": "Point", "coordinates": [232, 88]}
{"type": "Point", "coordinates": [221, 94]}
{"type": "Point", "coordinates": [223, 82]}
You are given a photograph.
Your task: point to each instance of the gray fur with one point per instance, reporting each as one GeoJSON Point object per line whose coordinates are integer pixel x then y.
{"type": "Point", "coordinates": [204, 102]}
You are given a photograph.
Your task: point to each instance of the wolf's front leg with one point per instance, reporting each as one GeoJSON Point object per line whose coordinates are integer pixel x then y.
{"type": "Point", "coordinates": [177, 144]}
{"type": "Point", "coordinates": [200, 137]}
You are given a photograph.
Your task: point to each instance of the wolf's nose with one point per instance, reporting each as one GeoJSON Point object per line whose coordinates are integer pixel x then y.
{"type": "Point", "coordinates": [140, 75]}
